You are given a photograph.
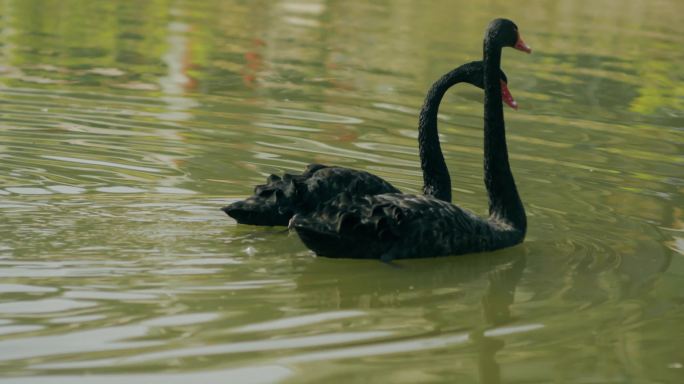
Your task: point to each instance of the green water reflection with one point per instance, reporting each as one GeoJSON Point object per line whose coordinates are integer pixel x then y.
{"type": "Point", "coordinates": [125, 125]}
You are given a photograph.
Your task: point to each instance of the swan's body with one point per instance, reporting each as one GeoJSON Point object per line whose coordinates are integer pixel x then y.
{"type": "Point", "coordinates": [394, 226]}
{"type": "Point", "coordinates": [275, 202]}
{"type": "Point", "coordinates": [397, 226]}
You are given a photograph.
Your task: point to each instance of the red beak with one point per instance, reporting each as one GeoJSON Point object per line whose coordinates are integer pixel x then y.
{"type": "Point", "coordinates": [521, 46]}
{"type": "Point", "coordinates": [507, 97]}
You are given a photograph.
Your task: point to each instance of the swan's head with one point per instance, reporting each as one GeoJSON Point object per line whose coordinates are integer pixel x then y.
{"type": "Point", "coordinates": [504, 33]}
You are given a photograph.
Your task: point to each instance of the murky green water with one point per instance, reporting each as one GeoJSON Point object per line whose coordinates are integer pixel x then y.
{"type": "Point", "coordinates": [124, 126]}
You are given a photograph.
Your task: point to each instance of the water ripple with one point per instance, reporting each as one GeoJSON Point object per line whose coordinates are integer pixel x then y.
{"type": "Point", "coordinates": [43, 306]}
{"type": "Point", "coordinates": [298, 321]}
{"type": "Point", "coordinates": [392, 347]}
{"type": "Point", "coordinates": [260, 346]}
{"type": "Point", "coordinates": [103, 163]}
{"type": "Point", "coordinates": [260, 374]}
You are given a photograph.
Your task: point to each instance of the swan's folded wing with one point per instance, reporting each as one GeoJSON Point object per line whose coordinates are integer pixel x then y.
{"type": "Point", "coordinates": [390, 226]}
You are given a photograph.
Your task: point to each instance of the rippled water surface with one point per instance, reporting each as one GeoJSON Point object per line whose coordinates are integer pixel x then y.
{"type": "Point", "coordinates": [125, 126]}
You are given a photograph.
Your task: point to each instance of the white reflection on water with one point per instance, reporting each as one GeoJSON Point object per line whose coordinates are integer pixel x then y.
{"type": "Point", "coordinates": [24, 288]}
{"type": "Point", "coordinates": [43, 306]}
{"type": "Point", "coordinates": [102, 339]}
{"type": "Point", "coordinates": [28, 190]}
{"type": "Point", "coordinates": [380, 348]}
{"type": "Point", "coordinates": [298, 321]}
{"type": "Point", "coordinates": [10, 329]}
{"type": "Point", "coordinates": [120, 189]}
{"type": "Point", "coordinates": [246, 375]}
{"type": "Point", "coordinates": [259, 346]}
{"type": "Point", "coordinates": [76, 319]}
{"type": "Point", "coordinates": [99, 295]}
{"type": "Point", "coordinates": [501, 331]}
{"type": "Point", "coordinates": [186, 271]}
{"type": "Point", "coordinates": [66, 189]}
{"type": "Point", "coordinates": [239, 285]}
{"type": "Point", "coordinates": [207, 261]}
{"type": "Point", "coordinates": [175, 191]}
{"type": "Point", "coordinates": [71, 190]}
{"type": "Point", "coordinates": [177, 320]}
{"type": "Point", "coordinates": [48, 271]}
{"type": "Point", "coordinates": [230, 348]}
{"type": "Point", "coordinates": [391, 347]}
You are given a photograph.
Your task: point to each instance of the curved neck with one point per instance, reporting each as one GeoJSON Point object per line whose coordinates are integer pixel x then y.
{"type": "Point", "coordinates": [504, 201]}
{"type": "Point", "coordinates": [436, 179]}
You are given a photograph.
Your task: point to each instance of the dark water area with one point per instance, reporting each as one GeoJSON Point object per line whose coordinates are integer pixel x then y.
{"type": "Point", "coordinates": [125, 126]}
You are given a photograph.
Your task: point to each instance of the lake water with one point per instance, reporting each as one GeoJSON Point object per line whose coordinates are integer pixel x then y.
{"type": "Point", "coordinates": [125, 126]}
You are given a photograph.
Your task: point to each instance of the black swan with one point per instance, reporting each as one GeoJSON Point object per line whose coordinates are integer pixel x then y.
{"type": "Point", "coordinates": [394, 226]}
{"type": "Point", "coordinates": [275, 202]}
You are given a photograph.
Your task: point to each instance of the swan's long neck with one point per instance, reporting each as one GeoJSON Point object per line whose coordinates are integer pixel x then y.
{"type": "Point", "coordinates": [436, 179]}
{"type": "Point", "coordinates": [504, 201]}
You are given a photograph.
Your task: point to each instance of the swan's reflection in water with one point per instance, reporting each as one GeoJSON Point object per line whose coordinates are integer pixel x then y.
{"type": "Point", "coordinates": [484, 283]}
{"type": "Point", "coordinates": [496, 310]}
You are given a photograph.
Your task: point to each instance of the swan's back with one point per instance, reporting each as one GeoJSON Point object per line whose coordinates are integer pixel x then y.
{"type": "Point", "coordinates": [275, 202]}
{"type": "Point", "coordinates": [396, 226]}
